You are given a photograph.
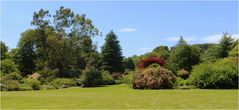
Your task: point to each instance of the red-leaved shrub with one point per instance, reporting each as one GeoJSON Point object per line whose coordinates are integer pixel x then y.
{"type": "Point", "coordinates": [153, 78]}
{"type": "Point", "coordinates": [148, 61]}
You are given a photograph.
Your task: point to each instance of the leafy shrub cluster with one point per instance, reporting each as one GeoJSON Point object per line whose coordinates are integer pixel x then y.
{"type": "Point", "coordinates": [148, 61]}
{"type": "Point", "coordinates": [59, 83]}
{"type": "Point", "coordinates": [153, 78]}
{"type": "Point", "coordinates": [91, 77]}
{"type": "Point", "coordinates": [183, 73]}
{"type": "Point", "coordinates": [222, 74]}
{"type": "Point", "coordinates": [107, 78]}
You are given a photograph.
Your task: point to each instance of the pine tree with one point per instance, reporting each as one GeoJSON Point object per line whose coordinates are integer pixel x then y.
{"type": "Point", "coordinates": [111, 56]}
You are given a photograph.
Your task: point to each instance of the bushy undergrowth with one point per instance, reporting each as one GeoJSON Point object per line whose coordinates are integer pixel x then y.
{"type": "Point", "coordinates": [222, 74]}
{"type": "Point", "coordinates": [107, 78]}
{"type": "Point", "coordinates": [59, 83]}
{"type": "Point", "coordinates": [91, 77]}
{"type": "Point", "coordinates": [154, 78]}
{"type": "Point", "coordinates": [183, 73]}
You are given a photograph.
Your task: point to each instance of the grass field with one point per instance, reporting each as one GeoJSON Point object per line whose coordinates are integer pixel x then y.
{"type": "Point", "coordinates": [119, 97]}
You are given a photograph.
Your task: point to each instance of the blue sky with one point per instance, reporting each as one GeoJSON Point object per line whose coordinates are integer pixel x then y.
{"type": "Point", "coordinates": [140, 26]}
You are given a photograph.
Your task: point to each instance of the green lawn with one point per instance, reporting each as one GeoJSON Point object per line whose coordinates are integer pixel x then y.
{"type": "Point", "coordinates": [120, 96]}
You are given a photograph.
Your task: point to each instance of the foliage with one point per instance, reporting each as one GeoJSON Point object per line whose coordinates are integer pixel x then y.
{"type": "Point", "coordinates": [26, 54]}
{"type": "Point", "coordinates": [8, 66]}
{"type": "Point", "coordinates": [91, 77]}
{"type": "Point", "coordinates": [153, 78]}
{"type": "Point", "coordinates": [128, 64]}
{"type": "Point", "coordinates": [212, 54]}
{"type": "Point", "coordinates": [161, 51]}
{"type": "Point", "coordinates": [183, 56]}
{"type": "Point", "coordinates": [107, 78]}
{"type": "Point", "coordinates": [4, 50]}
{"type": "Point", "coordinates": [61, 42]}
{"type": "Point", "coordinates": [128, 78]}
{"type": "Point", "coordinates": [59, 83]}
{"type": "Point", "coordinates": [10, 85]}
{"type": "Point", "coordinates": [225, 44]}
{"type": "Point", "coordinates": [222, 74]}
{"type": "Point", "coordinates": [34, 83]}
{"type": "Point", "coordinates": [144, 63]}
{"type": "Point", "coordinates": [234, 52]}
{"type": "Point", "coordinates": [111, 55]}
{"type": "Point", "coordinates": [47, 75]}
{"type": "Point", "coordinates": [183, 73]}
{"type": "Point", "coordinates": [12, 76]}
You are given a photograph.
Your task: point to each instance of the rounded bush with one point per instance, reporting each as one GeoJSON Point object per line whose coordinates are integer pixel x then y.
{"type": "Point", "coordinates": [10, 85]}
{"type": "Point", "coordinates": [153, 78]}
{"type": "Point", "coordinates": [34, 83]}
{"type": "Point", "coordinates": [91, 77]}
{"type": "Point", "coordinates": [222, 74]}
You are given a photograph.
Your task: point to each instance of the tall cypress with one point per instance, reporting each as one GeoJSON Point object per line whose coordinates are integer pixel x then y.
{"type": "Point", "coordinates": [111, 55]}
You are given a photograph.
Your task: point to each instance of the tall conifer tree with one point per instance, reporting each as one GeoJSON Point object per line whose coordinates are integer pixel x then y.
{"type": "Point", "coordinates": [112, 59]}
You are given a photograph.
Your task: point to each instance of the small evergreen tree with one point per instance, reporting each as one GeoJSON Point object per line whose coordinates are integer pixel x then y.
{"type": "Point", "coordinates": [111, 54]}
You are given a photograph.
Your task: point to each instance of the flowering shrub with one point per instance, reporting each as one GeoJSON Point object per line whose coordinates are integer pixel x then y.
{"type": "Point", "coordinates": [148, 61]}
{"type": "Point", "coordinates": [153, 78]}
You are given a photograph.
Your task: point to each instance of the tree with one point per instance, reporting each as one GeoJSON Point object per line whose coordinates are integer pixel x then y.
{"type": "Point", "coordinates": [128, 64]}
{"type": "Point", "coordinates": [111, 54]}
{"type": "Point", "coordinates": [26, 54]}
{"type": "Point", "coordinates": [225, 44]}
{"type": "Point", "coordinates": [4, 50]}
{"type": "Point", "coordinates": [183, 56]}
{"type": "Point", "coordinates": [161, 51]}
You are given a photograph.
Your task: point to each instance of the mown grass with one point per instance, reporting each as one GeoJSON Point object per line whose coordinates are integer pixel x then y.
{"type": "Point", "coordinates": [120, 97]}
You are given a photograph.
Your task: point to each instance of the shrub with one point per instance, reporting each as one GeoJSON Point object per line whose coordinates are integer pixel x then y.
{"type": "Point", "coordinates": [8, 66]}
{"type": "Point", "coordinates": [107, 78]}
{"type": "Point", "coordinates": [222, 74]}
{"type": "Point", "coordinates": [47, 75]}
{"type": "Point", "coordinates": [47, 87]}
{"type": "Point", "coordinates": [13, 76]}
{"type": "Point", "coordinates": [10, 85]}
{"type": "Point", "coordinates": [33, 83]}
{"type": "Point", "coordinates": [91, 77]}
{"type": "Point", "coordinates": [62, 83]}
{"type": "Point", "coordinates": [144, 63]}
{"type": "Point", "coordinates": [25, 87]}
{"type": "Point", "coordinates": [128, 78]}
{"type": "Point", "coordinates": [153, 78]}
{"type": "Point", "coordinates": [183, 73]}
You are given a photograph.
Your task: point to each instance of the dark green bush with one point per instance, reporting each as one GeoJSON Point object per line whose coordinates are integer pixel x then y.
{"type": "Point", "coordinates": [153, 78]}
{"type": "Point", "coordinates": [10, 85]}
{"type": "Point", "coordinates": [107, 78]}
{"type": "Point", "coordinates": [222, 74]}
{"type": "Point", "coordinates": [91, 77]}
{"type": "Point", "coordinates": [62, 83]}
{"type": "Point", "coordinates": [34, 83]}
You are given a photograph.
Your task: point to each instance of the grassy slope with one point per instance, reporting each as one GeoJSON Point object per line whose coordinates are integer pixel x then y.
{"type": "Point", "coordinates": [119, 96]}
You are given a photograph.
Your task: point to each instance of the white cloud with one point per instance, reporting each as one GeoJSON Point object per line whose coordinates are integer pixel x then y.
{"type": "Point", "coordinates": [216, 38]}
{"type": "Point", "coordinates": [128, 30]}
{"type": "Point", "coordinates": [145, 49]}
{"type": "Point", "coordinates": [175, 39]}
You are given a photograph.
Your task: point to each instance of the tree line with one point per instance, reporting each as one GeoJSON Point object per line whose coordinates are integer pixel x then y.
{"type": "Point", "coordinates": [60, 49]}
